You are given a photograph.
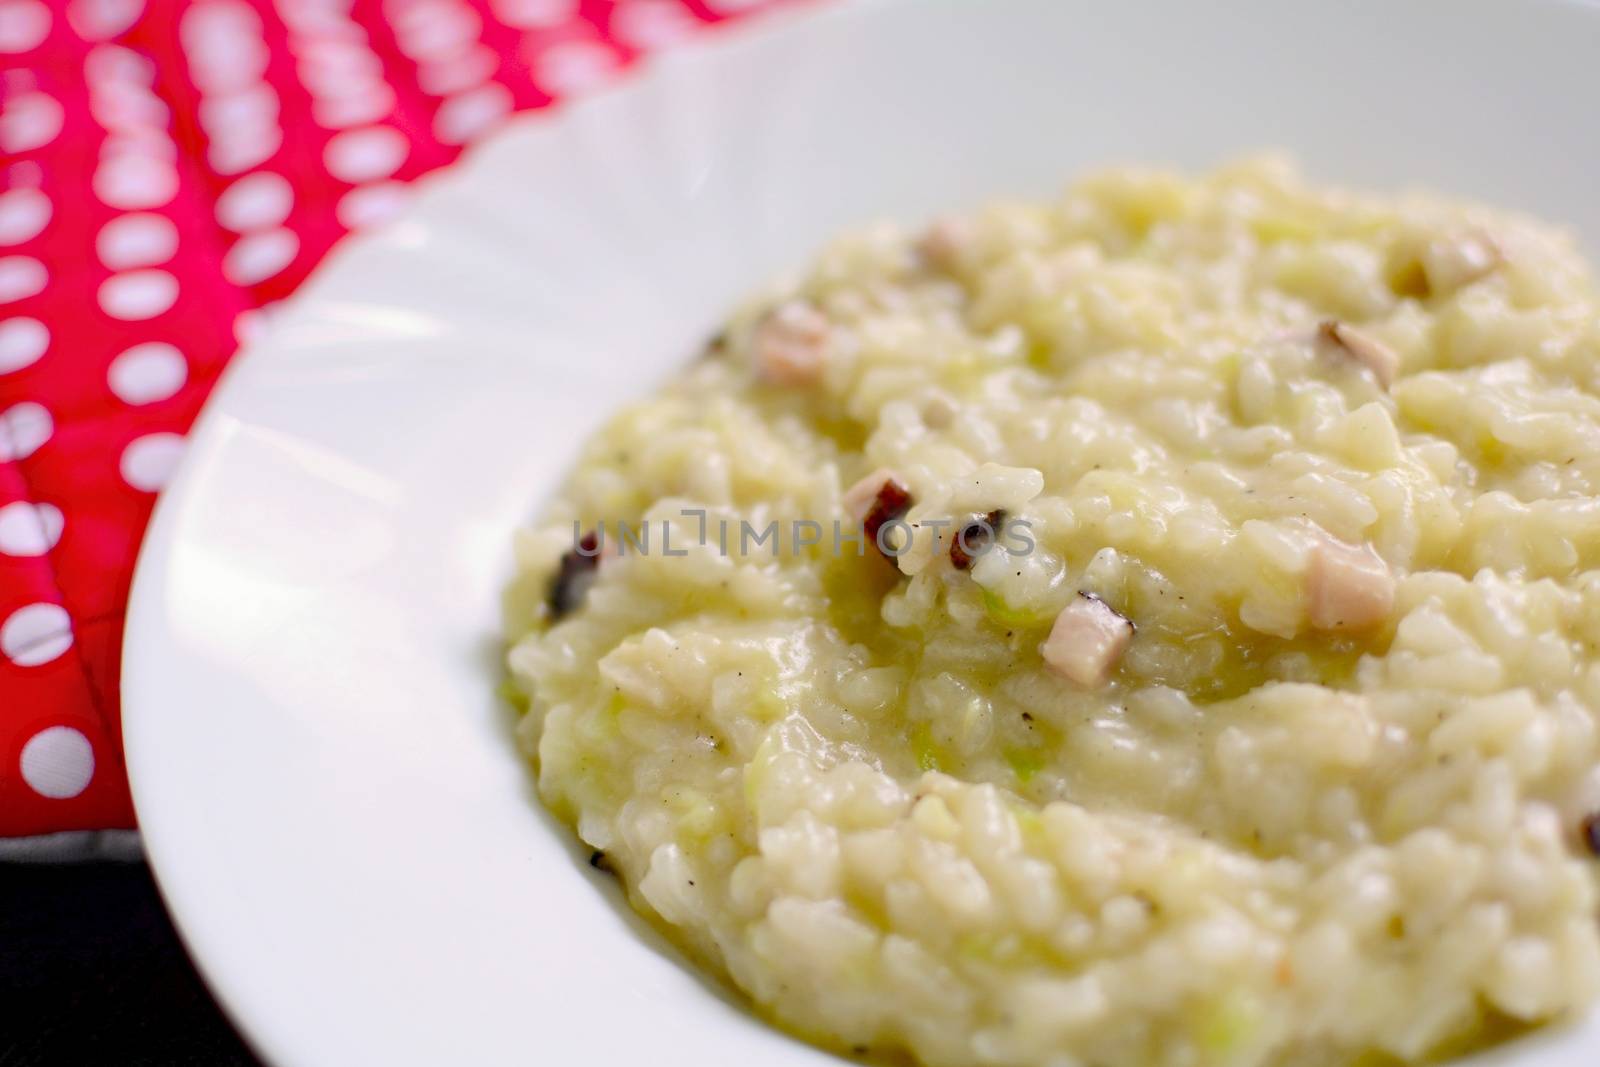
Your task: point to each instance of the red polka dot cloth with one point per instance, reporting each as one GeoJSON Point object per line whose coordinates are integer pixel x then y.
{"type": "Point", "coordinates": [168, 170]}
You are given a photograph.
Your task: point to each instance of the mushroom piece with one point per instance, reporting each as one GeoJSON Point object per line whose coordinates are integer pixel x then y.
{"type": "Point", "coordinates": [974, 539]}
{"type": "Point", "coordinates": [1589, 833]}
{"type": "Point", "coordinates": [576, 573]}
{"type": "Point", "coordinates": [1348, 587]}
{"type": "Point", "coordinates": [859, 498]}
{"type": "Point", "coordinates": [1449, 263]}
{"type": "Point", "coordinates": [1087, 641]}
{"type": "Point", "coordinates": [791, 343]}
{"type": "Point", "coordinates": [1379, 358]}
{"type": "Point", "coordinates": [876, 500]}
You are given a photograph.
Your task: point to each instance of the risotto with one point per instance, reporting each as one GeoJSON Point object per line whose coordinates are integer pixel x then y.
{"type": "Point", "coordinates": [1156, 626]}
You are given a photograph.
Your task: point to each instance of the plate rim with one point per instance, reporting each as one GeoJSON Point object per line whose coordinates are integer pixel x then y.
{"type": "Point", "coordinates": [647, 75]}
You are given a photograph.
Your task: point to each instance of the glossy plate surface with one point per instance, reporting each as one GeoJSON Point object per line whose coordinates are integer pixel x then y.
{"type": "Point", "coordinates": [327, 789]}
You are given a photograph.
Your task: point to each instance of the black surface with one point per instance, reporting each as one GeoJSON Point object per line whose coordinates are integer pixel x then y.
{"type": "Point", "coordinates": [91, 973]}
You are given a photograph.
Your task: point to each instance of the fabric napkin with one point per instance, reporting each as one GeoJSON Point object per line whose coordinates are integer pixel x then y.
{"type": "Point", "coordinates": [169, 170]}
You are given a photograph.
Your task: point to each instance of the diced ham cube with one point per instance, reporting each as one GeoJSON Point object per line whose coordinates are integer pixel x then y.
{"type": "Point", "coordinates": [1086, 642]}
{"type": "Point", "coordinates": [1348, 587]}
{"type": "Point", "coordinates": [859, 498]}
{"type": "Point", "coordinates": [1379, 358]}
{"type": "Point", "coordinates": [791, 344]}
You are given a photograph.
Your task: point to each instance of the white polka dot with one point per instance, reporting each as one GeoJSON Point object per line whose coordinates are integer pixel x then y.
{"type": "Point", "coordinates": [250, 325]}
{"type": "Point", "coordinates": [362, 155]}
{"type": "Point", "coordinates": [98, 20]}
{"type": "Point", "coordinates": [24, 24]}
{"type": "Point", "coordinates": [228, 72]}
{"type": "Point", "coordinates": [357, 107]}
{"type": "Point", "coordinates": [29, 529]}
{"type": "Point", "coordinates": [244, 147]}
{"type": "Point", "coordinates": [111, 67]}
{"type": "Point", "coordinates": [147, 373]}
{"type": "Point", "coordinates": [20, 277]}
{"type": "Point", "coordinates": [534, 14]}
{"type": "Point", "coordinates": [458, 73]}
{"type": "Point", "coordinates": [463, 117]}
{"type": "Point", "coordinates": [256, 257]}
{"type": "Point", "coordinates": [223, 43]}
{"type": "Point", "coordinates": [24, 213]}
{"type": "Point", "coordinates": [255, 202]}
{"type": "Point", "coordinates": [120, 103]}
{"type": "Point", "coordinates": [138, 294]}
{"type": "Point", "coordinates": [23, 428]}
{"type": "Point", "coordinates": [136, 241]}
{"type": "Point", "coordinates": [328, 66]}
{"type": "Point", "coordinates": [573, 66]}
{"type": "Point", "coordinates": [431, 32]}
{"type": "Point", "coordinates": [24, 172]}
{"type": "Point", "coordinates": [649, 24]}
{"type": "Point", "coordinates": [22, 342]}
{"type": "Point", "coordinates": [30, 120]}
{"type": "Point", "coordinates": [334, 76]}
{"type": "Point", "coordinates": [372, 205]}
{"type": "Point", "coordinates": [133, 182]}
{"type": "Point", "coordinates": [35, 634]}
{"type": "Point", "coordinates": [58, 762]}
{"type": "Point", "coordinates": [149, 461]}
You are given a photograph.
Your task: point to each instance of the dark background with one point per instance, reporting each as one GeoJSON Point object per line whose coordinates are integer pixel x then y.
{"type": "Point", "coordinates": [92, 973]}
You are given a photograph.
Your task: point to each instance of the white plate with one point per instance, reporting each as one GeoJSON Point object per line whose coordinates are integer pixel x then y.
{"type": "Point", "coordinates": [327, 790]}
